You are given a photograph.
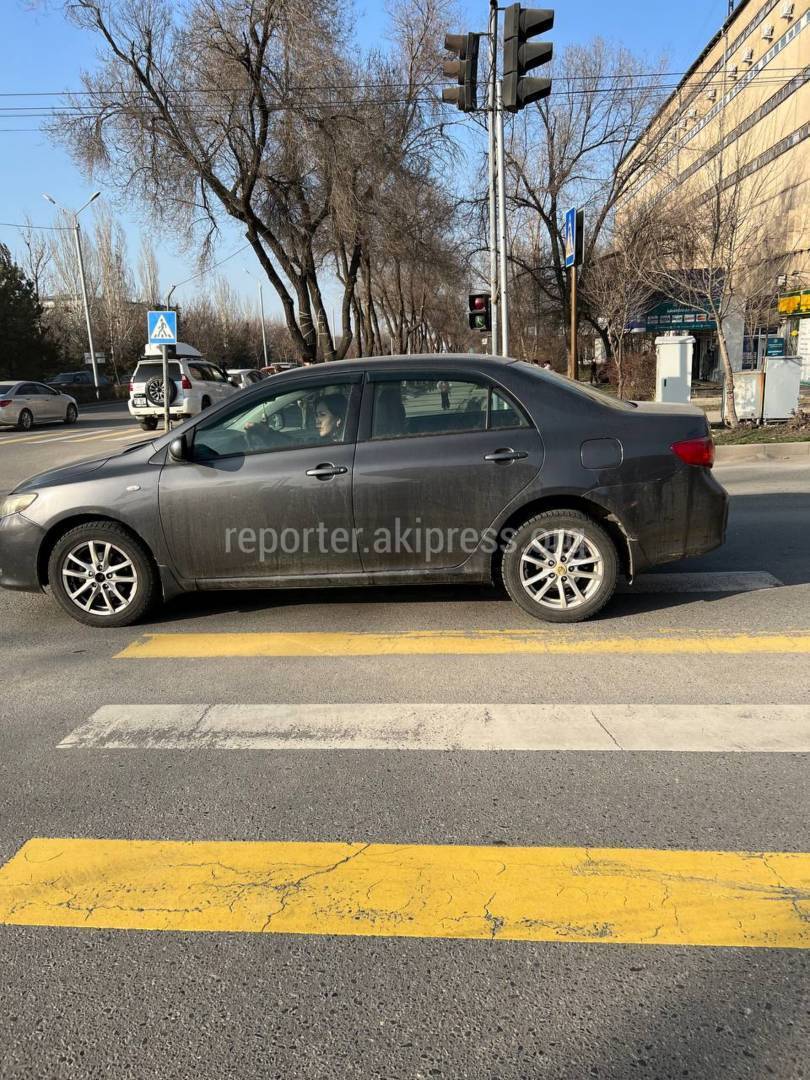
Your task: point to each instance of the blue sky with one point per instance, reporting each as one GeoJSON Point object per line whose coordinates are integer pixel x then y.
{"type": "Point", "coordinates": [40, 51]}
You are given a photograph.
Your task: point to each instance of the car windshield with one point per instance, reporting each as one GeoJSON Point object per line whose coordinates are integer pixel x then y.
{"type": "Point", "coordinates": [145, 372]}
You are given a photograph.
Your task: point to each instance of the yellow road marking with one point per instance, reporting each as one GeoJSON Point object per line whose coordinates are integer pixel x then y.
{"type": "Point", "coordinates": [174, 646]}
{"type": "Point", "coordinates": [611, 895]}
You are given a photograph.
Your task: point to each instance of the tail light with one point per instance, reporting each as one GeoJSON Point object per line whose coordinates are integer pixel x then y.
{"type": "Point", "coordinates": [4, 402]}
{"type": "Point", "coordinates": [185, 383]}
{"type": "Point", "coordinates": [695, 451]}
{"type": "Point", "coordinates": [131, 387]}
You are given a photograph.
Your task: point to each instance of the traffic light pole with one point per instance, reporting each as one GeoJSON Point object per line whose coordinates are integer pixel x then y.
{"type": "Point", "coordinates": [493, 210]}
{"type": "Point", "coordinates": [504, 313]}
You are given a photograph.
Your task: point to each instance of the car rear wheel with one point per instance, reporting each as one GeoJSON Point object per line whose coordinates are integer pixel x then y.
{"type": "Point", "coordinates": [71, 414]}
{"type": "Point", "coordinates": [25, 421]}
{"type": "Point", "coordinates": [561, 567]}
{"type": "Point", "coordinates": [148, 423]}
{"type": "Point", "coordinates": [102, 575]}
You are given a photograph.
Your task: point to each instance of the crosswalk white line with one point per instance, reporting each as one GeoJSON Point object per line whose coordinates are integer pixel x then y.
{"type": "Point", "coordinates": [680, 728]}
{"type": "Point", "coordinates": [705, 582]}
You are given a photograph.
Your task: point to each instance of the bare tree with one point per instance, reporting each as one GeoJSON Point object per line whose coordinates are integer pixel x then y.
{"type": "Point", "coordinates": [254, 110]}
{"type": "Point", "coordinates": [36, 256]}
{"type": "Point", "coordinates": [716, 245]}
{"type": "Point", "coordinates": [148, 273]}
{"type": "Point", "coordinates": [620, 283]}
{"type": "Point", "coordinates": [574, 149]}
{"type": "Point", "coordinates": [121, 318]}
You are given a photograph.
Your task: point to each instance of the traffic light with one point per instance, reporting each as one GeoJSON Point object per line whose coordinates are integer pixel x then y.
{"type": "Point", "coordinates": [480, 313]}
{"type": "Point", "coordinates": [520, 55]}
{"type": "Point", "coordinates": [464, 70]}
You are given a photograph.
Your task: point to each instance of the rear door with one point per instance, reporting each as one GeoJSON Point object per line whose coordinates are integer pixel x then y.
{"type": "Point", "coordinates": [54, 405]}
{"type": "Point", "coordinates": [28, 397]}
{"type": "Point", "coordinates": [440, 456]}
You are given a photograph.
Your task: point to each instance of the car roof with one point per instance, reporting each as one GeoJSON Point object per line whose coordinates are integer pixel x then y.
{"type": "Point", "coordinates": [420, 362]}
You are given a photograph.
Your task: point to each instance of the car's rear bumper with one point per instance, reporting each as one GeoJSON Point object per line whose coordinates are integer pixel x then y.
{"type": "Point", "coordinates": [664, 520]}
{"type": "Point", "coordinates": [20, 541]}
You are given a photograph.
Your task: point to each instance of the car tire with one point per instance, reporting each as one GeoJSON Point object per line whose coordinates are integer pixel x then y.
{"type": "Point", "coordinates": [71, 414]}
{"type": "Point", "coordinates": [72, 550]}
{"type": "Point", "coordinates": [25, 421]}
{"type": "Point", "coordinates": [148, 423]}
{"type": "Point", "coordinates": [542, 587]}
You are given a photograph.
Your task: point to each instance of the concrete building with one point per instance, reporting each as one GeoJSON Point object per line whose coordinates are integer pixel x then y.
{"type": "Point", "coordinates": [742, 111]}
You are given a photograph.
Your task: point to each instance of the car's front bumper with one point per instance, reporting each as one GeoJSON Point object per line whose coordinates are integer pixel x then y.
{"type": "Point", "coordinates": [20, 541]}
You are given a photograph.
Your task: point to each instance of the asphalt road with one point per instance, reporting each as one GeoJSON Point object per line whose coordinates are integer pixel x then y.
{"type": "Point", "coordinates": [78, 1001]}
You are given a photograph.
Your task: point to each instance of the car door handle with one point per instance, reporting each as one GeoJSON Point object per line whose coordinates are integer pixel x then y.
{"type": "Point", "coordinates": [506, 454]}
{"type": "Point", "coordinates": [327, 469]}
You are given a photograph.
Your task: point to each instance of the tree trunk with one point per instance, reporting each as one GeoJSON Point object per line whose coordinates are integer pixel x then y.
{"type": "Point", "coordinates": [730, 411]}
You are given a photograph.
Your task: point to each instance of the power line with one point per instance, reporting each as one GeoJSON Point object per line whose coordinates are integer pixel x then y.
{"type": "Point", "coordinates": [208, 269]}
{"type": "Point", "coordinates": [359, 86]}
{"type": "Point", "coordinates": [14, 225]}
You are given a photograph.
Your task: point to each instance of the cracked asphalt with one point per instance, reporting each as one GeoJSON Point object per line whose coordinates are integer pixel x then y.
{"type": "Point", "coordinates": [80, 1003]}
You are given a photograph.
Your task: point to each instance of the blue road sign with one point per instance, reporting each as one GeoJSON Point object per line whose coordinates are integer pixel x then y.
{"type": "Point", "coordinates": [570, 237]}
{"type": "Point", "coordinates": [161, 327]}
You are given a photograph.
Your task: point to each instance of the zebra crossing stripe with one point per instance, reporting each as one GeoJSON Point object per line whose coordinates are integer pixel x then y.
{"type": "Point", "coordinates": [415, 727]}
{"type": "Point", "coordinates": [561, 894]}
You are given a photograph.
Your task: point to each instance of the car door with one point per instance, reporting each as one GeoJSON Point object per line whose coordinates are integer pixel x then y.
{"type": "Point", "coordinates": [440, 456]}
{"type": "Point", "coordinates": [53, 405]}
{"type": "Point", "coordinates": [262, 495]}
{"type": "Point", "coordinates": [28, 397]}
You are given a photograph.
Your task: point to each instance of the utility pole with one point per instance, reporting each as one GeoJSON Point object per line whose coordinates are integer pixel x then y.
{"type": "Point", "coordinates": [504, 318]}
{"type": "Point", "coordinates": [77, 234]}
{"type": "Point", "coordinates": [493, 223]}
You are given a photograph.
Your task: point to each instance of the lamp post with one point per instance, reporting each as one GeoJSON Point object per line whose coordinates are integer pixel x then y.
{"type": "Point", "coordinates": [261, 310]}
{"type": "Point", "coordinates": [77, 234]}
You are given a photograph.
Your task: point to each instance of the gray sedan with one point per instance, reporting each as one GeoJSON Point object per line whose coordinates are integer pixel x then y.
{"type": "Point", "coordinates": [23, 404]}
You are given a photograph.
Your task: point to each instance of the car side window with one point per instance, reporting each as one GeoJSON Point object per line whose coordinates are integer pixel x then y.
{"type": "Point", "coordinates": [214, 374]}
{"type": "Point", "coordinates": [27, 390]}
{"type": "Point", "coordinates": [196, 372]}
{"type": "Point", "coordinates": [291, 419]}
{"type": "Point", "coordinates": [442, 406]}
{"type": "Point", "coordinates": [503, 413]}
{"type": "Point", "coordinates": [46, 390]}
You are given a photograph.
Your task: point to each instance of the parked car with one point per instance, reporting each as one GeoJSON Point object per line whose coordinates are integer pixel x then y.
{"type": "Point", "coordinates": [78, 378]}
{"type": "Point", "coordinates": [244, 377]}
{"type": "Point", "coordinates": [195, 384]}
{"type": "Point", "coordinates": [517, 474]}
{"type": "Point", "coordinates": [23, 404]}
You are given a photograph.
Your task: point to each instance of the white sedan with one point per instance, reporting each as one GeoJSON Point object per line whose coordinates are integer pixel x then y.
{"type": "Point", "coordinates": [23, 404]}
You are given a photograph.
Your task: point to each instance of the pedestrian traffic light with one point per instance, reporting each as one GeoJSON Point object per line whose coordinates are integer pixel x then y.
{"type": "Point", "coordinates": [464, 70]}
{"type": "Point", "coordinates": [521, 55]}
{"type": "Point", "coordinates": [480, 313]}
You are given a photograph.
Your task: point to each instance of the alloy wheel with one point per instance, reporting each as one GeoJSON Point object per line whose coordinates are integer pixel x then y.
{"type": "Point", "coordinates": [561, 569]}
{"type": "Point", "coordinates": [99, 577]}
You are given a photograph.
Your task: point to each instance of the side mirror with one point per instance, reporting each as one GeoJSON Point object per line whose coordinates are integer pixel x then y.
{"type": "Point", "coordinates": [178, 448]}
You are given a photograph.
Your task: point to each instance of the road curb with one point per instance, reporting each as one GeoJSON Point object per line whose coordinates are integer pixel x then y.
{"type": "Point", "coordinates": [737, 455]}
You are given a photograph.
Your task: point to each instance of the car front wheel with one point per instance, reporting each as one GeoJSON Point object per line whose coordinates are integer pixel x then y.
{"type": "Point", "coordinates": [102, 575]}
{"type": "Point", "coordinates": [560, 567]}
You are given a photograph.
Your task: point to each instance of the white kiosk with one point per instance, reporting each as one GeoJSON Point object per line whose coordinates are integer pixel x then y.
{"type": "Point", "coordinates": [673, 368]}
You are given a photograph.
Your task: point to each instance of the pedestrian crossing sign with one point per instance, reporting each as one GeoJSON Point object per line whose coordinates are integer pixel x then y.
{"type": "Point", "coordinates": [162, 327]}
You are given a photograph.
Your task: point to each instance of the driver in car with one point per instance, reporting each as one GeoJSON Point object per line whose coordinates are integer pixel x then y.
{"type": "Point", "coordinates": [328, 414]}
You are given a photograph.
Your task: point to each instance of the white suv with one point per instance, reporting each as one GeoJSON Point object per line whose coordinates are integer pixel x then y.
{"type": "Point", "coordinates": [194, 385]}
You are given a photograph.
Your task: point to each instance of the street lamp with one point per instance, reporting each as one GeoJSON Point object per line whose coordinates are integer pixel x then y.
{"type": "Point", "coordinates": [261, 309]}
{"type": "Point", "coordinates": [77, 234]}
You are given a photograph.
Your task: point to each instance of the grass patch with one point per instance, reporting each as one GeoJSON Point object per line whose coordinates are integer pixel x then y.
{"type": "Point", "coordinates": [792, 431]}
